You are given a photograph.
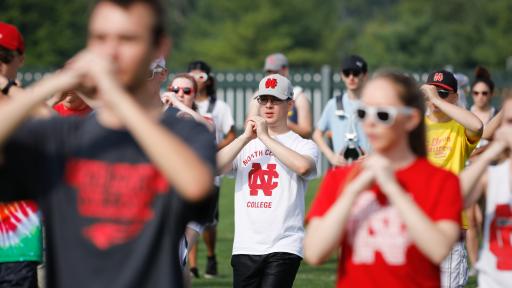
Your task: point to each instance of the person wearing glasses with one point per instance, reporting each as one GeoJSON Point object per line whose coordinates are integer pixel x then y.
{"type": "Point", "coordinates": [490, 176]}
{"type": "Point", "coordinates": [338, 117]}
{"type": "Point", "coordinates": [217, 110]}
{"type": "Point", "coordinates": [452, 134]}
{"type": "Point", "coordinates": [181, 95]}
{"type": "Point", "coordinates": [272, 165]}
{"type": "Point", "coordinates": [393, 215]}
{"type": "Point", "coordinates": [299, 116]}
{"type": "Point", "coordinates": [482, 91]}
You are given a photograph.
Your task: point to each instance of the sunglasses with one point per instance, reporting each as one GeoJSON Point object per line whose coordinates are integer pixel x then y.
{"type": "Point", "coordinates": [443, 93]}
{"type": "Point", "coordinates": [383, 115]}
{"type": "Point", "coordinates": [199, 76]}
{"type": "Point", "coordinates": [353, 72]}
{"type": "Point", "coordinates": [186, 90]}
{"type": "Point", "coordinates": [484, 93]}
{"type": "Point", "coordinates": [264, 99]}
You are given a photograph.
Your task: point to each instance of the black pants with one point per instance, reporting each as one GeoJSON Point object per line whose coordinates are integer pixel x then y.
{"type": "Point", "coordinates": [18, 275]}
{"type": "Point", "coordinates": [268, 271]}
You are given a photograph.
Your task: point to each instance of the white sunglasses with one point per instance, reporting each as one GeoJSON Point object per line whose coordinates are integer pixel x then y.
{"type": "Point", "coordinates": [384, 115]}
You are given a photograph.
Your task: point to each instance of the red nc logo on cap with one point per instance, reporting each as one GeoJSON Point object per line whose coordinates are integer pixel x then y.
{"type": "Point", "coordinates": [438, 77]}
{"type": "Point", "coordinates": [271, 83]}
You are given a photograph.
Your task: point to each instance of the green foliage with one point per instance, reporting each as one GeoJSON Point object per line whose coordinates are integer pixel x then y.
{"type": "Point", "coordinates": [411, 34]}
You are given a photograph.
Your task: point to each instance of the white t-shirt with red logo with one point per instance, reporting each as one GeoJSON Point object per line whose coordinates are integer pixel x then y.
{"type": "Point", "coordinates": [269, 198]}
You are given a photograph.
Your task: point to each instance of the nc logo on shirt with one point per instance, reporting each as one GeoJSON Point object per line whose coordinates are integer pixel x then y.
{"type": "Point", "coordinates": [263, 180]}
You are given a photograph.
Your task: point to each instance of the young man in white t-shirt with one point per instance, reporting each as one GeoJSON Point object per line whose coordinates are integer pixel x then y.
{"type": "Point", "coordinates": [272, 165]}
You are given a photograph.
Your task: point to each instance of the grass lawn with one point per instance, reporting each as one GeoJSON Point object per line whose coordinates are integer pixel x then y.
{"type": "Point", "coordinates": [308, 276]}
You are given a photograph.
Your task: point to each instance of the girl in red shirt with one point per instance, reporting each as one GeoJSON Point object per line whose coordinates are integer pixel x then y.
{"type": "Point", "coordinates": [393, 216]}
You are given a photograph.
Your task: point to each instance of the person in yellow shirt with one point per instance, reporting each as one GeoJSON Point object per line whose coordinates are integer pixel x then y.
{"type": "Point", "coordinates": [452, 134]}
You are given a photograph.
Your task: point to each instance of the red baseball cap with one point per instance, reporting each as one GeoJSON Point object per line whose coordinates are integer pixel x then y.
{"type": "Point", "coordinates": [10, 38]}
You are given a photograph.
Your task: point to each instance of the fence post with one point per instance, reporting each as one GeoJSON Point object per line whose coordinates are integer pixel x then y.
{"type": "Point", "coordinates": [327, 88]}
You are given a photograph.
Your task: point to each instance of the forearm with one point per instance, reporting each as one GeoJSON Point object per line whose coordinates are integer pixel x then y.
{"type": "Point", "coordinates": [197, 117]}
{"type": "Point", "coordinates": [19, 108]}
{"type": "Point", "coordinates": [492, 126]}
{"type": "Point", "coordinates": [227, 155]}
{"type": "Point", "coordinates": [470, 177]}
{"type": "Point", "coordinates": [178, 163]}
{"type": "Point", "coordinates": [303, 130]}
{"type": "Point", "coordinates": [320, 142]}
{"type": "Point", "coordinates": [464, 117]}
{"type": "Point", "coordinates": [228, 139]}
{"type": "Point", "coordinates": [433, 242]}
{"type": "Point", "coordinates": [299, 163]}
{"type": "Point", "coordinates": [324, 234]}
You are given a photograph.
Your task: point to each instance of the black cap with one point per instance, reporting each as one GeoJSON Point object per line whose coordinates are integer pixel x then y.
{"type": "Point", "coordinates": [443, 79]}
{"type": "Point", "coordinates": [199, 65]}
{"type": "Point", "coordinates": [354, 62]}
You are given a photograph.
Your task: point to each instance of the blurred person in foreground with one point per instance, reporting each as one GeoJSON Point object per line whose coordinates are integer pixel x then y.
{"type": "Point", "coordinates": [116, 189]}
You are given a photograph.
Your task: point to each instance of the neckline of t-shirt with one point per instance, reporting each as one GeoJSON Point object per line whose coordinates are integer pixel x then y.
{"type": "Point", "coordinates": [411, 165]}
{"type": "Point", "coordinates": [439, 123]}
{"type": "Point", "coordinates": [283, 135]}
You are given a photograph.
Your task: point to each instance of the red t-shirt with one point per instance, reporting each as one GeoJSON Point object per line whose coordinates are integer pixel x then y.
{"type": "Point", "coordinates": [65, 112]}
{"type": "Point", "coordinates": [376, 249]}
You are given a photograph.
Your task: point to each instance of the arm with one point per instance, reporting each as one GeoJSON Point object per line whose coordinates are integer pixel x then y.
{"type": "Point", "coordinates": [19, 108]}
{"type": "Point", "coordinates": [433, 239]}
{"type": "Point", "coordinates": [40, 111]}
{"type": "Point", "coordinates": [470, 121]}
{"type": "Point", "coordinates": [182, 107]}
{"type": "Point", "coordinates": [300, 164]}
{"type": "Point", "coordinates": [471, 180]}
{"type": "Point", "coordinates": [334, 159]}
{"type": "Point", "coordinates": [303, 126]}
{"type": "Point", "coordinates": [324, 234]}
{"type": "Point", "coordinates": [492, 126]}
{"type": "Point", "coordinates": [226, 156]}
{"type": "Point", "coordinates": [179, 164]}
{"type": "Point", "coordinates": [227, 139]}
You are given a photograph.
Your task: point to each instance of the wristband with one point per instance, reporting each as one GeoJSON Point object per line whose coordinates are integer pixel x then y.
{"type": "Point", "coordinates": [7, 87]}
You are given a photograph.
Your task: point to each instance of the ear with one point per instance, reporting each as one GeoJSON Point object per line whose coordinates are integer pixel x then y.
{"type": "Point", "coordinates": [290, 104]}
{"type": "Point", "coordinates": [414, 120]}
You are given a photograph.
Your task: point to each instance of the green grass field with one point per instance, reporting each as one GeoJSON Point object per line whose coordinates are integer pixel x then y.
{"type": "Point", "coordinates": [308, 276]}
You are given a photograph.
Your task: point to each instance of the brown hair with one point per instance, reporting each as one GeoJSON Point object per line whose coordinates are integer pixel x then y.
{"type": "Point", "coordinates": [191, 79]}
{"type": "Point", "coordinates": [159, 13]}
{"type": "Point", "coordinates": [411, 96]}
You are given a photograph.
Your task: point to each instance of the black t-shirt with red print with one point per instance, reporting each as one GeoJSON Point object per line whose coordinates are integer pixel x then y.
{"type": "Point", "coordinates": [112, 219]}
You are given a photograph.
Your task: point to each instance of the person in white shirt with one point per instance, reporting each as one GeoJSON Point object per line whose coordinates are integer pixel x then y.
{"type": "Point", "coordinates": [220, 113]}
{"type": "Point", "coordinates": [494, 264]}
{"type": "Point", "coordinates": [272, 165]}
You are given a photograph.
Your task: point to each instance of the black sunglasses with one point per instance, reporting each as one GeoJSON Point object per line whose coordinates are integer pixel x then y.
{"type": "Point", "coordinates": [348, 72]}
{"type": "Point", "coordinates": [264, 99]}
{"type": "Point", "coordinates": [186, 90]}
{"type": "Point", "coordinates": [443, 93]}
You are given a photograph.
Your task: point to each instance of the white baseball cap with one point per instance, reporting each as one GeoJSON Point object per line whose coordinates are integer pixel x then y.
{"type": "Point", "coordinates": [275, 85]}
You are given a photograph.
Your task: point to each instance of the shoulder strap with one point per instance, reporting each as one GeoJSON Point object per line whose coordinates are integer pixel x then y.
{"type": "Point", "coordinates": [340, 110]}
{"type": "Point", "coordinates": [211, 105]}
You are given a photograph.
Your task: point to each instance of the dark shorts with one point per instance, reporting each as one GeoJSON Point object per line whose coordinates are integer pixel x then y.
{"type": "Point", "coordinates": [269, 270]}
{"type": "Point", "coordinates": [210, 208]}
{"type": "Point", "coordinates": [18, 274]}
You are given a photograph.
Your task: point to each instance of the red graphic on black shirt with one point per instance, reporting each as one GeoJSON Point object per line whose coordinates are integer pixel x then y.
{"type": "Point", "coordinates": [500, 237]}
{"type": "Point", "coordinates": [271, 83]}
{"type": "Point", "coordinates": [118, 195]}
{"type": "Point", "coordinates": [263, 180]}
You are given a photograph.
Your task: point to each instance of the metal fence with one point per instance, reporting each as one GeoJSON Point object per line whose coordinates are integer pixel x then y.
{"type": "Point", "coordinates": [237, 87]}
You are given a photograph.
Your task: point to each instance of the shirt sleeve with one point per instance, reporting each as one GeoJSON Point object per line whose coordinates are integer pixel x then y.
{"type": "Point", "coordinates": [327, 193]}
{"type": "Point", "coordinates": [323, 123]}
{"type": "Point", "coordinates": [310, 149]}
{"type": "Point", "coordinates": [449, 202]}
